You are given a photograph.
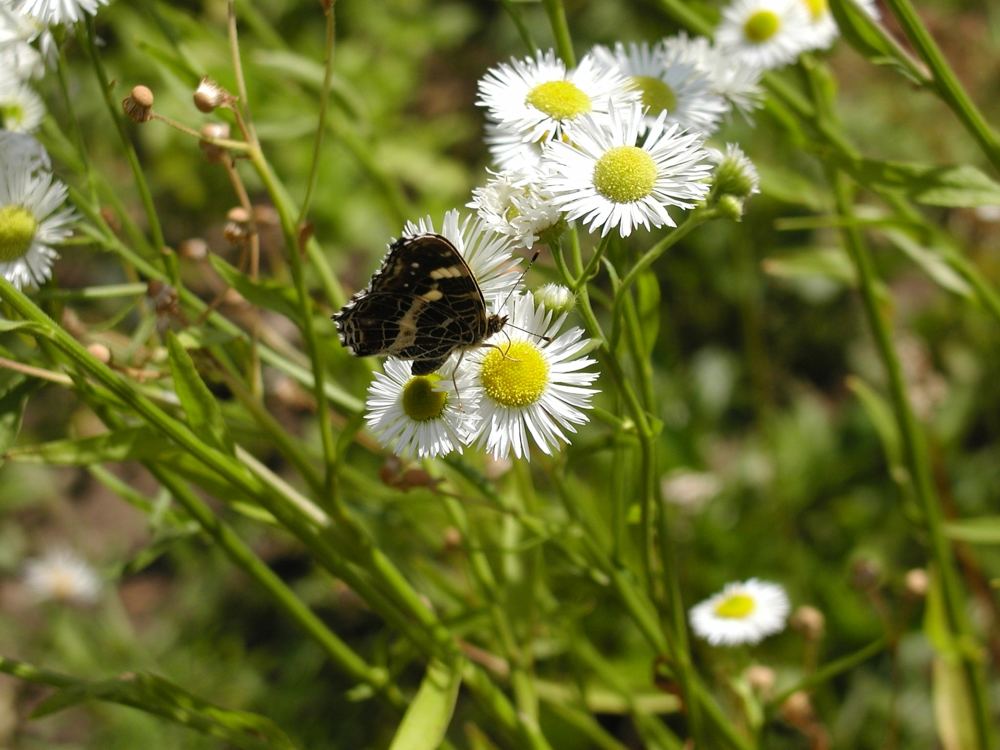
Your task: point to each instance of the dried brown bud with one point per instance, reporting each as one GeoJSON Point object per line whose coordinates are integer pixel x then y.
{"type": "Point", "coordinates": [138, 105]}
{"type": "Point", "coordinates": [809, 621]}
{"type": "Point", "coordinates": [209, 95]}
{"type": "Point", "coordinates": [266, 215]}
{"type": "Point", "coordinates": [916, 582]}
{"type": "Point", "coordinates": [761, 678]}
{"type": "Point", "coordinates": [210, 131]}
{"type": "Point", "coordinates": [797, 709]}
{"type": "Point", "coordinates": [452, 539]}
{"type": "Point", "coordinates": [237, 228]}
{"type": "Point", "coordinates": [866, 574]}
{"type": "Point", "coordinates": [100, 352]}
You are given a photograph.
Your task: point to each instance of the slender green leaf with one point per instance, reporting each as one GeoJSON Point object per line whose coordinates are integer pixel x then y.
{"type": "Point", "coordinates": [426, 720]}
{"type": "Point", "coordinates": [201, 407]}
{"type": "Point", "coordinates": [160, 697]}
{"type": "Point", "coordinates": [881, 415]}
{"type": "Point", "coordinates": [982, 530]}
{"type": "Point", "coordinates": [12, 404]}
{"type": "Point", "coordinates": [952, 186]}
{"type": "Point", "coordinates": [828, 262]}
{"type": "Point", "coordinates": [931, 260]}
{"type": "Point", "coordinates": [647, 291]}
{"type": "Point", "coordinates": [134, 443]}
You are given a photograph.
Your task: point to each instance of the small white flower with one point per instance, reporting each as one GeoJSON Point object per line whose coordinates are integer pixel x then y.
{"type": "Point", "coordinates": [510, 151]}
{"type": "Point", "coordinates": [490, 255]}
{"type": "Point", "coordinates": [19, 59]}
{"type": "Point", "coordinates": [744, 612]}
{"type": "Point", "coordinates": [738, 85]}
{"type": "Point", "coordinates": [19, 151]}
{"type": "Point", "coordinates": [764, 33]}
{"type": "Point", "coordinates": [530, 382]}
{"type": "Point", "coordinates": [514, 203]}
{"type": "Point", "coordinates": [30, 223]}
{"type": "Point", "coordinates": [21, 109]}
{"type": "Point", "coordinates": [537, 98]}
{"type": "Point", "coordinates": [54, 12]}
{"type": "Point", "coordinates": [608, 181]}
{"type": "Point", "coordinates": [62, 576]}
{"type": "Point", "coordinates": [421, 415]}
{"type": "Point", "coordinates": [822, 30]}
{"type": "Point", "coordinates": [682, 89]}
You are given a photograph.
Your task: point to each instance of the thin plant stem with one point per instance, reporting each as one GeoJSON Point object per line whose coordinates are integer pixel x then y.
{"type": "Point", "coordinates": [324, 103]}
{"type": "Point", "coordinates": [946, 83]}
{"type": "Point", "coordinates": [560, 31]}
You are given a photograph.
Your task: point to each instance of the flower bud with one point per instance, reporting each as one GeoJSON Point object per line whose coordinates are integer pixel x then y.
{"type": "Point", "coordinates": [735, 174]}
{"type": "Point", "coordinates": [809, 621]}
{"type": "Point", "coordinates": [213, 152]}
{"type": "Point", "coordinates": [555, 297]}
{"type": "Point", "coordinates": [761, 678]}
{"type": "Point", "coordinates": [210, 95]}
{"type": "Point", "coordinates": [730, 207]}
{"type": "Point", "coordinates": [916, 583]}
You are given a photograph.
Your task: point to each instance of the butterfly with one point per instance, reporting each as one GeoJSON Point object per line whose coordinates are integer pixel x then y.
{"type": "Point", "coordinates": [422, 304]}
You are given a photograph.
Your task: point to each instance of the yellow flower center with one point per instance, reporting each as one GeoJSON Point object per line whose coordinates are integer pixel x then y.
{"type": "Point", "coordinates": [516, 375]}
{"type": "Point", "coordinates": [736, 607]}
{"type": "Point", "coordinates": [656, 94]}
{"type": "Point", "coordinates": [560, 100]}
{"type": "Point", "coordinates": [761, 26]}
{"type": "Point", "coordinates": [421, 401]}
{"type": "Point", "coordinates": [816, 8]}
{"type": "Point", "coordinates": [625, 174]}
{"type": "Point", "coordinates": [17, 230]}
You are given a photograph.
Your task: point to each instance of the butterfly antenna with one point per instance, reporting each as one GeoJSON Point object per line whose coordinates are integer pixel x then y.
{"type": "Point", "coordinates": [520, 278]}
{"type": "Point", "coordinates": [546, 339]}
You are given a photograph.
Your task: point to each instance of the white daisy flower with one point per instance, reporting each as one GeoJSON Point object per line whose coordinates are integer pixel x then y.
{"type": "Point", "coordinates": [30, 223]}
{"type": "Point", "coordinates": [55, 12]}
{"type": "Point", "coordinates": [61, 576]}
{"type": "Point", "coordinates": [530, 382]}
{"type": "Point", "coordinates": [821, 31]}
{"type": "Point", "coordinates": [681, 89]}
{"type": "Point", "coordinates": [514, 203]}
{"type": "Point", "coordinates": [22, 151]}
{"type": "Point", "coordinates": [421, 415]}
{"type": "Point", "coordinates": [509, 151]}
{"type": "Point", "coordinates": [21, 109]}
{"type": "Point", "coordinates": [537, 98]}
{"type": "Point", "coordinates": [744, 612]}
{"type": "Point", "coordinates": [764, 33]}
{"type": "Point", "coordinates": [490, 255]}
{"type": "Point", "coordinates": [608, 181]}
{"type": "Point", "coordinates": [738, 85]}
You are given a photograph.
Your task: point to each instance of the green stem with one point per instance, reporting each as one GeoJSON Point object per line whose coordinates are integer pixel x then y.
{"type": "Point", "coordinates": [831, 670]}
{"type": "Point", "coordinates": [560, 31]}
{"type": "Point", "coordinates": [145, 195]}
{"type": "Point", "coordinates": [324, 102]}
{"type": "Point", "coordinates": [915, 458]}
{"type": "Point", "coordinates": [948, 87]}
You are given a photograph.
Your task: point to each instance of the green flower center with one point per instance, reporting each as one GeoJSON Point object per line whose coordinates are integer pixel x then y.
{"type": "Point", "coordinates": [761, 26]}
{"type": "Point", "coordinates": [625, 174]}
{"type": "Point", "coordinates": [11, 114]}
{"type": "Point", "coordinates": [515, 376]}
{"type": "Point", "coordinates": [735, 607]}
{"type": "Point", "coordinates": [816, 8]}
{"type": "Point", "coordinates": [421, 401]}
{"type": "Point", "coordinates": [656, 95]}
{"type": "Point", "coordinates": [17, 229]}
{"type": "Point", "coordinates": [560, 100]}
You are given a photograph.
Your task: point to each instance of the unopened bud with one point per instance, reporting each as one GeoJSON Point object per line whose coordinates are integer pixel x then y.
{"type": "Point", "coordinates": [730, 207]}
{"type": "Point", "coordinates": [866, 574]}
{"type": "Point", "coordinates": [138, 105]}
{"type": "Point", "coordinates": [100, 352]}
{"type": "Point", "coordinates": [210, 95]}
{"type": "Point", "coordinates": [735, 174]}
{"type": "Point", "coordinates": [761, 678]}
{"type": "Point", "coordinates": [797, 709]}
{"type": "Point", "coordinates": [555, 297]}
{"type": "Point", "coordinates": [809, 621]}
{"type": "Point", "coordinates": [193, 248]}
{"type": "Point", "coordinates": [916, 582]}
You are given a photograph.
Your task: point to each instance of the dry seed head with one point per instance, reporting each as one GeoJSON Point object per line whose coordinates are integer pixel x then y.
{"type": "Point", "coordinates": [100, 352]}
{"type": "Point", "coordinates": [916, 583]}
{"type": "Point", "coordinates": [138, 105]}
{"type": "Point", "coordinates": [797, 709]}
{"type": "Point", "coordinates": [761, 678]}
{"type": "Point", "coordinates": [193, 248]}
{"type": "Point", "coordinates": [210, 95]}
{"type": "Point", "coordinates": [237, 228]}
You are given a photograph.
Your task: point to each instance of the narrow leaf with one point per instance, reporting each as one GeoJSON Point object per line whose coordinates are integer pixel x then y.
{"type": "Point", "coordinates": [647, 291]}
{"type": "Point", "coordinates": [133, 443]}
{"type": "Point", "coordinates": [427, 719]}
{"type": "Point", "coordinates": [931, 261]}
{"type": "Point", "coordinates": [12, 404]}
{"type": "Point", "coordinates": [201, 407]}
{"type": "Point", "coordinates": [267, 294]}
{"type": "Point", "coordinates": [881, 416]}
{"type": "Point", "coordinates": [951, 186]}
{"type": "Point", "coordinates": [982, 530]}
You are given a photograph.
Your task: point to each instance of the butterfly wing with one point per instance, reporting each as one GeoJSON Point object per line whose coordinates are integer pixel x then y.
{"type": "Point", "coordinates": [421, 304]}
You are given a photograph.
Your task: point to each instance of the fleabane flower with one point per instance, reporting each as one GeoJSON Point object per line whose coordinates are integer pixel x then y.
{"type": "Point", "coordinates": [822, 30]}
{"type": "Point", "coordinates": [682, 89]}
{"type": "Point", "coordinates": [738, 85]}
{"type": "Point", "coordinates": [744, 612]}
{"type": "Point", "coordinates": [31, 221]}
{"type": "Point", "coordinates": [19, 151]}
{"type": "Point", "coordinates": [21, 109]}
{"type": "Point", "coordinates": [510, 151]}
{"type": "Point", "coordinates": [421, 415]}
{"type": "Point", "coordinates": [734, 174]}
{"type": "Point", "coordinates": [61, 576]}
{"type": "Point", "coordinates": [514, 203]}
{"type": "Point", "coordinates": [490, 255]}
{"type": "Point", "coordinates": [609, 179]}
{"type": "Point", "coordinates": [537, 98]}
{"type": "Point", "coordinates": [531, 383]}
{"type": "Point", "coordinates": [55, 12]}
{"type": "Point", "coordinates": [764, 33]}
